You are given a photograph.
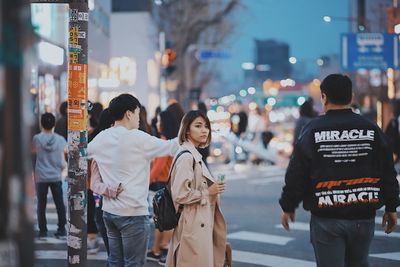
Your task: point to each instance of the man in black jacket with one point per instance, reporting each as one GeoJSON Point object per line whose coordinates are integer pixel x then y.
{"type": "Point", "coordinates": [342, 169]}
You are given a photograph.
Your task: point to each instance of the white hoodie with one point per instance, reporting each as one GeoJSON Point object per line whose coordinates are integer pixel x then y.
{"type": "Point", "coordinates": [124, 156]}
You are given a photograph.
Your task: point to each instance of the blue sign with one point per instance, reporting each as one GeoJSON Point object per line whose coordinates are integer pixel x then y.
{"type": "Point", "coordinates": [369, 51]}
{"type": "Point", "coordinates": [205, 54]}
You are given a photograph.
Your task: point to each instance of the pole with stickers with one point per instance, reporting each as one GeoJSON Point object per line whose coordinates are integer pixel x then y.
{"type": "Point", "coordinates": [77, 131]}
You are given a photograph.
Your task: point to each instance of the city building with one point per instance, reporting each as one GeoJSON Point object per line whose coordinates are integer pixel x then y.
{"type": "Point", "coordinates": [372, 86]}
{"type": "Point", "coordinates": [49, 66]}
{"type": "Point", "coordinates": [272, 60]}
{"type": "Point", "coordinates": [99, 46]}
{"type": "Point", "coordinates": [134, 51]}
{"type": "Point", "coordinates": [49, 83]}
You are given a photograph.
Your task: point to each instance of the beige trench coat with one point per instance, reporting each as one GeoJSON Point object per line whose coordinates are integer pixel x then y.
{"type": "Point", "coordinates": [199, 240]}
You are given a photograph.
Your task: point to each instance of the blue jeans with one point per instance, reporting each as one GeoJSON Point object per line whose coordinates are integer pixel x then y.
{"type": "Point", "coordinates": [340, 243]}
{"type": "Point", "coordinates": [56, 191]}
{"type": "Point", "coordinates": [128, 237]}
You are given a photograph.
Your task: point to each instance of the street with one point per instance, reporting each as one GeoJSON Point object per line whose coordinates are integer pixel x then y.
{"type": "Point", "coordinates": [251, 209]}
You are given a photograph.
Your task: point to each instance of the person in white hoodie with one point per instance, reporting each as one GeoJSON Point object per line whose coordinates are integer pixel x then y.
{"type": "Point", "coordinates": [123, 154]}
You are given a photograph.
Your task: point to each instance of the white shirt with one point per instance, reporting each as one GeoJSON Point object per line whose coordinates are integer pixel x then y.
{"type": "Point", "coordinates": [124, 156]}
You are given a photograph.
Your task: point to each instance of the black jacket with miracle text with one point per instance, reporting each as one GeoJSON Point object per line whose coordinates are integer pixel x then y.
{"type": "Point", "coordinates": [341, 168]}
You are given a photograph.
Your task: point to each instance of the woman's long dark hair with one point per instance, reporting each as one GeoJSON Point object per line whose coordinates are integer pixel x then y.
{"type": "Point", "coordinates": [105, 122]}
{"type": "Point", "coordinates": [143, 124]}
{"type": "Point", "coordinates": [169, 125]}
{"type": "Point", "coordinates": [176, 111]}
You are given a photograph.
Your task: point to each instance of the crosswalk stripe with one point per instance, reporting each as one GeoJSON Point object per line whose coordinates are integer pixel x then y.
{"type": "Point", "coordinates": [49, 216]}
{"type": "Point", "coordinates": [268, 260]}
{"type": "Point", "coordinates": [378, 220]}
{"type": "Point", "coordinates": [50, 227]}
{"type": "Point", "coordinates": [259, 237]}
{"type": "Point", "coordinates": [50, 240]}
{"type": "Point", "coordinates": [265, 181]}
{"type": "Point", "coordinates": [62, 255]}
{"type": "Point", "coordinates": [389, 256]}
{"type": "Point", "coordinates": [238, 176]}
{"type": "Point", "coordinates": [301, 226]}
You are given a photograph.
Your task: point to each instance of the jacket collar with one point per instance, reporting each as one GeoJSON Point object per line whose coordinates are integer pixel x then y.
{"type": "Point", "coordinates": [340, 111]}
{"type": "Point", "coordinates": [189, 146]}
{"type": "Point", "coordinates": [198, 158]}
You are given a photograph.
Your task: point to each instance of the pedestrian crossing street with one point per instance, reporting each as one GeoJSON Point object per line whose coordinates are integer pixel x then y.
{"type": "Point", "coordinates": [56, 249]}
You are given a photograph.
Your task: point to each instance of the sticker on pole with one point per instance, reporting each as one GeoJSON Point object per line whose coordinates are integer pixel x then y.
{"type": "Point", "coordinates": [77, 97]}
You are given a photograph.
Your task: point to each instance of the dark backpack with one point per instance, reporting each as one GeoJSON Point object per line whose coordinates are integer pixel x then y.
{"type": "Point", "coordinates": [165, 216]}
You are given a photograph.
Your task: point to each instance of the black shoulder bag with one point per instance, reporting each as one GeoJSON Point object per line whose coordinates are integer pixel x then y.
{"type": "Point", "coordinates": [165, 216]}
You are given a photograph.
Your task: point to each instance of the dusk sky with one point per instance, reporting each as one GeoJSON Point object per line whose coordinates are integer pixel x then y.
{"type": "Point", "coordinates": [296, 22]}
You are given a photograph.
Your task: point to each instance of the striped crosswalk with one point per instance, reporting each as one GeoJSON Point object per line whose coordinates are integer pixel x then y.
{"type": "Point", "coordinates": [259, 237]}
{"type": "Point", "coordinates": [250, 247]}
{"type": "Point", "coordinates": [269, 260]}
{"type": "Point", "coordinates": [302, 226]}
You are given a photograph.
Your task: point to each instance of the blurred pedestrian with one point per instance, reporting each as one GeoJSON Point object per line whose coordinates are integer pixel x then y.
{"type": "Point", "coordinates": [50, 150]}
{"type": "Point", "coordinates": [393, 130]}
{"type": "Point", "coordinates": [153, 123]}
{"type": "Point", "coordinates": [257, 126]}
{"type": "Point", "coordinates": [177, 111]}
{"type": "Point", "coordinates": [100, 190]}
{"type": "Point", "coordinates": [95, 222]}
{"type": "Point", "coordinates": [143, 123]}
{"type": "Point", "coordinates": [199, 240]}
{"type": "Point", "coordinates": [205, 151]}
{"type": "Point", "coordinates": [123, 154]}
{"type": "Point", "coordinates": [342, 170]}
{"type": "Point", "coordinates": [168, 129]}
{"type": "Point", "coordinates": [95, 110]}
{"type": "Point", "coordinates": [239, 122]}
{"type": "Point", "coordinates": [307, 113]}
{"type": "Point", "coordinates": [61, 124]}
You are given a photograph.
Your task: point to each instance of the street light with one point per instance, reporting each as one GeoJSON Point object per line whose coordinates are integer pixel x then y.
{"type": "Point", "coordinates": [361, 21]}
{"type": "Point", "coordinates": [293, 60]}
{"type": "Point", "coordinates": [397, 28]}
{"type": "Point", "coordinates": [248, 66]}
{"type": "Point", "coordinates": [330, 18]}
{"type": "Point", "coordinates": [327, 19]}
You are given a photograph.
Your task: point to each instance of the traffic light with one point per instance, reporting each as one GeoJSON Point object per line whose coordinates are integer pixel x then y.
{"type": "Point", "coordinates": [167, 59]}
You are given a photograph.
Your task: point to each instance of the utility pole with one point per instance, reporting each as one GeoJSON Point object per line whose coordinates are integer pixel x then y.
{"type": "Point", "coordinates": [361, 24]}
{"type": "Point", "coordinates": [16, 197]}
{"type": "Point", "coordinates": [77, 131]}
{"type": "Point", "coordinates": [77, 128]}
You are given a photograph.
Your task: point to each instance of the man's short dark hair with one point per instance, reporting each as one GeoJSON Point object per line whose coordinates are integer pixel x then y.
{"type": "Point", "coordinates": [121, 104]}
{"type": "Point", "coordinates": [48, 121]}
{"type": "Point", "coordinates": [338, 89]}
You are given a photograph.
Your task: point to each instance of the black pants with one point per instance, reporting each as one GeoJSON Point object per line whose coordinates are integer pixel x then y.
{"type": "Point", "coordinates": [56, 191]}
{"type": "Point", "coordinates": [341, 243]}
{"type": "Point", "coordinates": [91, 224]}
{"type": "Point", "coordinates": [100, 224]}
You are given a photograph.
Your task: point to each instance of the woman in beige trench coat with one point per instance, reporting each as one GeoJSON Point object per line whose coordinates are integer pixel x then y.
{"type": "Point", "coordinates": [199, 240]}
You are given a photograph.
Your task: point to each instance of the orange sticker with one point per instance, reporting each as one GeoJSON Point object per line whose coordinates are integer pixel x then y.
{"type": "Point", "coordinates": [77, 97]}
{"type": "Point", "coordinates": [76, 124]}
{"type": "Point", "coordinates": [77, 83]}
